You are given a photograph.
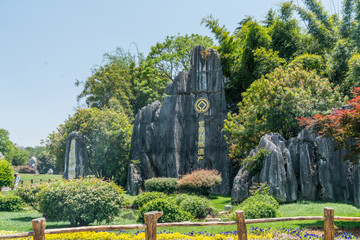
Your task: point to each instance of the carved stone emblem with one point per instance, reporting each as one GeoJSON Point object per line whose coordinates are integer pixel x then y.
{"type": "Point", "coordinates": [202, 105]}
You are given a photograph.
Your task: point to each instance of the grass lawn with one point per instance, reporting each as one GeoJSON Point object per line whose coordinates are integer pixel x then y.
{"type": "Point", "coordinates": [219, 201]}
{"type": "Point", "coordinates": [21, 221]}
{"type": "Point", "coordinates": [26, 177]}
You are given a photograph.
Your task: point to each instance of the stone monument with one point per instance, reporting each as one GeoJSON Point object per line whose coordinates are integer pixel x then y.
{"type": "Point", "coordinates": [76, 158]}
{"type": "Point", "coordinates": [185, 132]}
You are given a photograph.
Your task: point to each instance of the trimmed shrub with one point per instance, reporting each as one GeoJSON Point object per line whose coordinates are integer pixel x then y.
{"type": "Point", "coordinates": [81, 201]}
{"type": "Point", "coordinates": [6, 174]}
{"type": "Point", "coordinates": [27, 169]}
{"type": "Point", "coordinates": [146, 197]}
{"type": "Point", "coordinates": [259, 206]}
{"type": "Point", "coordinates": [166, 185]}
{"type": "Point", "coordinates": [200, 182]}
{"type": "Point", "coordinates": [172, 212]}
{"type": "Point", "coordinates": [29, 193]}
{"type": "Point", "coordinates": [197, 206]}
{"type": "Point", "coordinates": [11, 203]}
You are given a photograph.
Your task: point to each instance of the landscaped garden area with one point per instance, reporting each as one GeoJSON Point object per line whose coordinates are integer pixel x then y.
{"type": "Point", "coordinates": [268, 114]}
{"type": "Point", "coordinates": [177, 207]}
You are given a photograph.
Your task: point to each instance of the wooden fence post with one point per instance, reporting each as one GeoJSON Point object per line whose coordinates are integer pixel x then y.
{"type": "Point", "coordinates": [22, 182]}
{"type": "Point", "coordinates": [329, 224]}
{"type": "Point", "coordinates": [38, 226]}
{"type": "Point", "coordinates": [32, 181]}
{"type": "Point", "coordinates": [150, 221]}
{"type": "Point", "coordinates": [241, 225]}
{"type": "Point", "coordinates": [40, 181]}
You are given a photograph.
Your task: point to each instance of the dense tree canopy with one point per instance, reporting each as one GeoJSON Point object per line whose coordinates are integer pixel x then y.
{"type": "Point", "coordinates": [12, 153]}
{"type": "Point", "coordinates": [173, 55]}
{"type": "Point", "coordinates": [107, 132]}
{"type": "Point", "coordinates": [257, 48]}
{"type": "Point", "coordinates": [272, 103]}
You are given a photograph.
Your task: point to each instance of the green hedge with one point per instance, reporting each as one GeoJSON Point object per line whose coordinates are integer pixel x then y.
{"type": "Point", "coordinates": [11, 203]}
{"type": "Point", "coordinates": [171, 211]}
{"type": "Point", "coordinates": [166, 185]}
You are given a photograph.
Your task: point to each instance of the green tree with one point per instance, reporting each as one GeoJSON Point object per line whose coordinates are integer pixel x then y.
{"type": "Point", "coordinates": [309, 62]}
{"type": "Point", "coordinates": [237, 54]}
{"type": "Point", "coordinates": [108, 135]}
{"type": "Point", "coordinates": [18, 156]}
{"type": "Point", "coordinates": [6, 174]}
{"type": "Point", "coordinates": [273, 102]}
{"type": "Point", "coordinates": [353, 75]}
{"type": "Point", "coordinates": [5, 143]}
{"type": "Point", "coordinates": [173, 55]}
{"type": "Point", "coordinates": [113, 80]}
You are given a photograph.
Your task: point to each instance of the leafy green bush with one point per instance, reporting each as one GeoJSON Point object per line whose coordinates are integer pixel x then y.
{"type": "Point", "coordinates": [146, 197]}
{"type": "Point", "coordinates": [197, 206]}
{"type": "Point", "coordinates": [6, 174]}
{"type": "Point", "coordinates": [272, 103]}
{"type": "Point", "coordinates": [166, 185]}
{"type": "Point", "coordinates": [261, 205]}
{"type": "Point", "coordinates": [81, 201]}
{"type": "Point", "coordinates": [200, 182]}
{"type": "Point", "coordinates": [11, 203]}
{"type": "Point", "coordinates": [29, 193]}
{"type": "Point", "coordinates": [171, 212]}
{"type": "Point", "coordinates": [254, 163]}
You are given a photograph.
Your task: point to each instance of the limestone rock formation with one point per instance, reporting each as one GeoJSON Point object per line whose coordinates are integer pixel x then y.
{"type": "Point", "coordinates": [76, 158]}
{"type": "Point", "coordinates": [306, 167]}
{"type": "Point", "coordinates": [32, 162]}
{"type": "Point", "coordinates": [175, 137]}
{"type": "Point", "coordinates": [277, 172]}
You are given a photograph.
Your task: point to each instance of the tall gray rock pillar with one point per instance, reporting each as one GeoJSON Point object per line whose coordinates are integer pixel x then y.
{"type": "Point", "coordinates": [76, 158]}
{"type": "Point", "coordinates": [185, 132]}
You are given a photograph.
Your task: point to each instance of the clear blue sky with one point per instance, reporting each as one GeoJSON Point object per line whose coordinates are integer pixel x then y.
{"type": "Point", "coordinates": [46, 45]}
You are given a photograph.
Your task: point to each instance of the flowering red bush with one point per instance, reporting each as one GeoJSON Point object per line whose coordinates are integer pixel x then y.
{"type": "Point", "coordinates": [200, 182]}
{"type": "Point", "coordinates": [342, 124]}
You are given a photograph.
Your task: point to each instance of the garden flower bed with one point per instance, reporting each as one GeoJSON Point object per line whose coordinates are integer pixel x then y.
{"type": "Point", "coordinates": [253, 233]}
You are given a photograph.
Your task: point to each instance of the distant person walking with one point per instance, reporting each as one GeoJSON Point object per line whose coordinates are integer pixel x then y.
{"type": "Point", "coordinates": [17, 180]}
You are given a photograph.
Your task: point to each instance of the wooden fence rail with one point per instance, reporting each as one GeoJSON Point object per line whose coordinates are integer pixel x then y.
{"type": "Point", "coordinates": [151, 225]}
{"type": "Point", "coordinates": [32, 181]}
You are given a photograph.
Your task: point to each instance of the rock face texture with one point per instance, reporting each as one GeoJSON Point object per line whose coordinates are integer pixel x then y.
{"type": "Point", "coordinates": [175, 137]}
{"type": "Point", "coordinates": [76, 158]}
{"type": "Point", "coordinates": [32, 162]}
{"type": "Point", "coordinates": [277, 172]}
{"type": "Point", "coordinates": [306, 167]}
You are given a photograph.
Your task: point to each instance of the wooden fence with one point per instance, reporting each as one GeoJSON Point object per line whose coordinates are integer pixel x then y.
{"type": "Point", "coordinates": [151, 225]}
{"type": "Point", "coordinates": [32, 181]}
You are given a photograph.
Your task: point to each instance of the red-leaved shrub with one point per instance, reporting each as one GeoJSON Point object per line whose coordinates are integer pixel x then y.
{"type": "Point", "coordinates": [200, 182]}
{"type": "Point", "coordinates": [27, 169]}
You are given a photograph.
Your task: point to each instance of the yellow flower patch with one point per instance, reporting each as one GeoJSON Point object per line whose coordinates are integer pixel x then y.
{"type": "Point", "coordinates": [140, 236]}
